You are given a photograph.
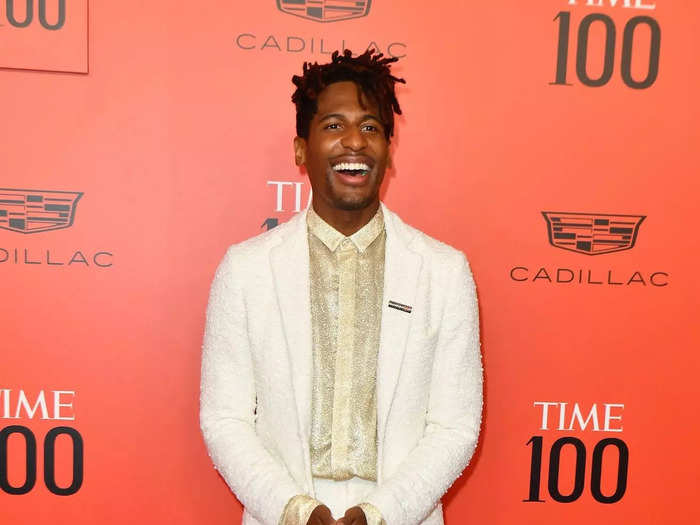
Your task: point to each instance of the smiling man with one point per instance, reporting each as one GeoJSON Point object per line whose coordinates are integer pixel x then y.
{"type": "Point", "coordinates": [341, 373]}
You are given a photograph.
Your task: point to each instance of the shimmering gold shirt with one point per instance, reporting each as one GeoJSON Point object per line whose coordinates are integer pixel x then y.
{"type": "Point", "coordinates": [347, 281]}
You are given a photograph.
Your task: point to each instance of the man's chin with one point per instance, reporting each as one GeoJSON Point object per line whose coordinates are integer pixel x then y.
{"type": "Point", "coordinates": [352, 203]}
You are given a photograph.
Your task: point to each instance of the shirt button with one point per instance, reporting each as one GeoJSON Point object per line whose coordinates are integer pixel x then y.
{"type": "Point", "coordinates": [346, 243]}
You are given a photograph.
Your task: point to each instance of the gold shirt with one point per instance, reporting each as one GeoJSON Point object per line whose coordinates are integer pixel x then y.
{"type": "Point", "coordinates": [347, 281]}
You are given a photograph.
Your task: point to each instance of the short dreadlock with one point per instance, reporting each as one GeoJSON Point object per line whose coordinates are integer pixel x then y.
{"type": "Point", "coordinates": [369, 71]}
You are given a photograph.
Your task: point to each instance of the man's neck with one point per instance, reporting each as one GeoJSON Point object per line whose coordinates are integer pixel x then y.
{"type": "Point", "coordinates": [346, 222]}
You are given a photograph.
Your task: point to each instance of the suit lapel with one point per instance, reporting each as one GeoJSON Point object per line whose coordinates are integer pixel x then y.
{"type": "Point", "coordinates": [290, 267]}
{"type": "Point", "coordinates": [401, 270]}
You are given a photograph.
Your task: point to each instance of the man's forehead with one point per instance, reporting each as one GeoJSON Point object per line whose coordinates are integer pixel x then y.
{"type": "Point", "coordinates": [345, 95]}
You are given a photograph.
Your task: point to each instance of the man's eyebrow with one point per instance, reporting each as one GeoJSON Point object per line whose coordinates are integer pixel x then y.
{"type": "Point", "coordinates": [373, 117]}
{"type": "Point", "coordinates": [340, 116]}
{"type": "Point", "coordinates": [330, 116]}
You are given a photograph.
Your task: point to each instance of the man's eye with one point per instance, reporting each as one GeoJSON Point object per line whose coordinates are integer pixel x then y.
{"type": "Point", "coordinates": [332, 125]}
{"type": "Point", "coordinates": [370, 127]}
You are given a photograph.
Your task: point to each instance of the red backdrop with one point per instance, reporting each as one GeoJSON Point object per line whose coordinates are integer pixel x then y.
{"type": "Point", "coordinates": [177, 130]}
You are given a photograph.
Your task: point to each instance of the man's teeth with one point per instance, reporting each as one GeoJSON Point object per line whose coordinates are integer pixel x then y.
{"type": "Point", "coordinates": [352, 166]}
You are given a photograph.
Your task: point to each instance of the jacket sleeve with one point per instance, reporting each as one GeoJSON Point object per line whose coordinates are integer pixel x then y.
{"type": "Point", "coordinates": [228, 400]}
{"type": "Point", "coordinates": [453, 419]}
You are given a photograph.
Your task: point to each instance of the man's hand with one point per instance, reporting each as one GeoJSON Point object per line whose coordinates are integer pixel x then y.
{"type": "Point", "coordinates": [353, 516]}
{"type": "Point", "coordinates": [321, 515]}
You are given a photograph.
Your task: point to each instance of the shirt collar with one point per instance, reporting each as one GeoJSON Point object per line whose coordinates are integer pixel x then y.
{"type": "Point", "coordinates": [332, 238]}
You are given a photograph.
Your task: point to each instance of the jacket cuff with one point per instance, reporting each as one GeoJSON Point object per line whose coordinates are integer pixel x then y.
{"type": "Point", "coordinates": [372, 514]}
{"type": "Point", "coordinates": [298, 510]}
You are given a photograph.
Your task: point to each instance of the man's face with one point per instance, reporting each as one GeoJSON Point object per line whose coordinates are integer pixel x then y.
{"type": "Point", "coordinates": [346, 152]}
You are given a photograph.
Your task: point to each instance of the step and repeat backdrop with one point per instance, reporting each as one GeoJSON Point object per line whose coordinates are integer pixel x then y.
{"type": "Point", "coordinates": [554, 142]}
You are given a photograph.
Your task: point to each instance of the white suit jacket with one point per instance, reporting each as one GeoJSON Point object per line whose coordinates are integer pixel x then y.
{"type": "Point", "coordinates": [255, 406]}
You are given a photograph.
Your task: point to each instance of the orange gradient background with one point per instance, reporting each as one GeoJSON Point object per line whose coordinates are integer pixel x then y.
{"type": "Point", "coordinates": [173, 137]}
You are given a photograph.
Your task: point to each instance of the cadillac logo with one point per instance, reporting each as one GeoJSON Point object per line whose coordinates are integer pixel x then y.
{"type": "Point", "coordinates": [33, 211]}
{"type": "Point", "coordinates": [325, 10]}
{"type": "Point", "coordinates": [592, 233]}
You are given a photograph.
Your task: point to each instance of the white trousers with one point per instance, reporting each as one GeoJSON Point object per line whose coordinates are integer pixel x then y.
{"type": "Point", "coordinates": [339, 496]}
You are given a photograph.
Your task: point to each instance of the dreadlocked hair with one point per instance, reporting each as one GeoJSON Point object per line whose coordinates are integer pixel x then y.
{"type": "Point", "coordinates": [369, 71]}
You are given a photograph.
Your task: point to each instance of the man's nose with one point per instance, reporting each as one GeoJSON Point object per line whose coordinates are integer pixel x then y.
{"type": "Point", "coordinates": [354, 139]}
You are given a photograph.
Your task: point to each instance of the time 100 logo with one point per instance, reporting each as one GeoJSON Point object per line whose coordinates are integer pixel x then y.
{"type": "Point", "coordinates": [30, 446]}
{"type": "Point", "coordinates": [12, 13]}
{"type": "Point", "coordinates": [628, 48]}
{"type": "Point", "coordinates": [579, 447]}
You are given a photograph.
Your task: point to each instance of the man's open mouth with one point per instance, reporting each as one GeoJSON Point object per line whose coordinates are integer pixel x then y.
{"type": "Point", "coordinates": [358, 169]}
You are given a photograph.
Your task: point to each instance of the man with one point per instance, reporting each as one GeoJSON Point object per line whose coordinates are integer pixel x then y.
{"type": "Point", "coordinates": [341, 374]}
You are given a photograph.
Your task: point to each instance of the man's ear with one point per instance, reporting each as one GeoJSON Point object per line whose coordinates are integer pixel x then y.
{"type": "Point", "coordinates": [299, 151]}
{"type": "Point", "coordinates": [390, 159]}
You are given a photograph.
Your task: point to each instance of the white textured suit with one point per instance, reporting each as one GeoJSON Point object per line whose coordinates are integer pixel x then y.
{"type": "Point", "coordinates": [257, 373]}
